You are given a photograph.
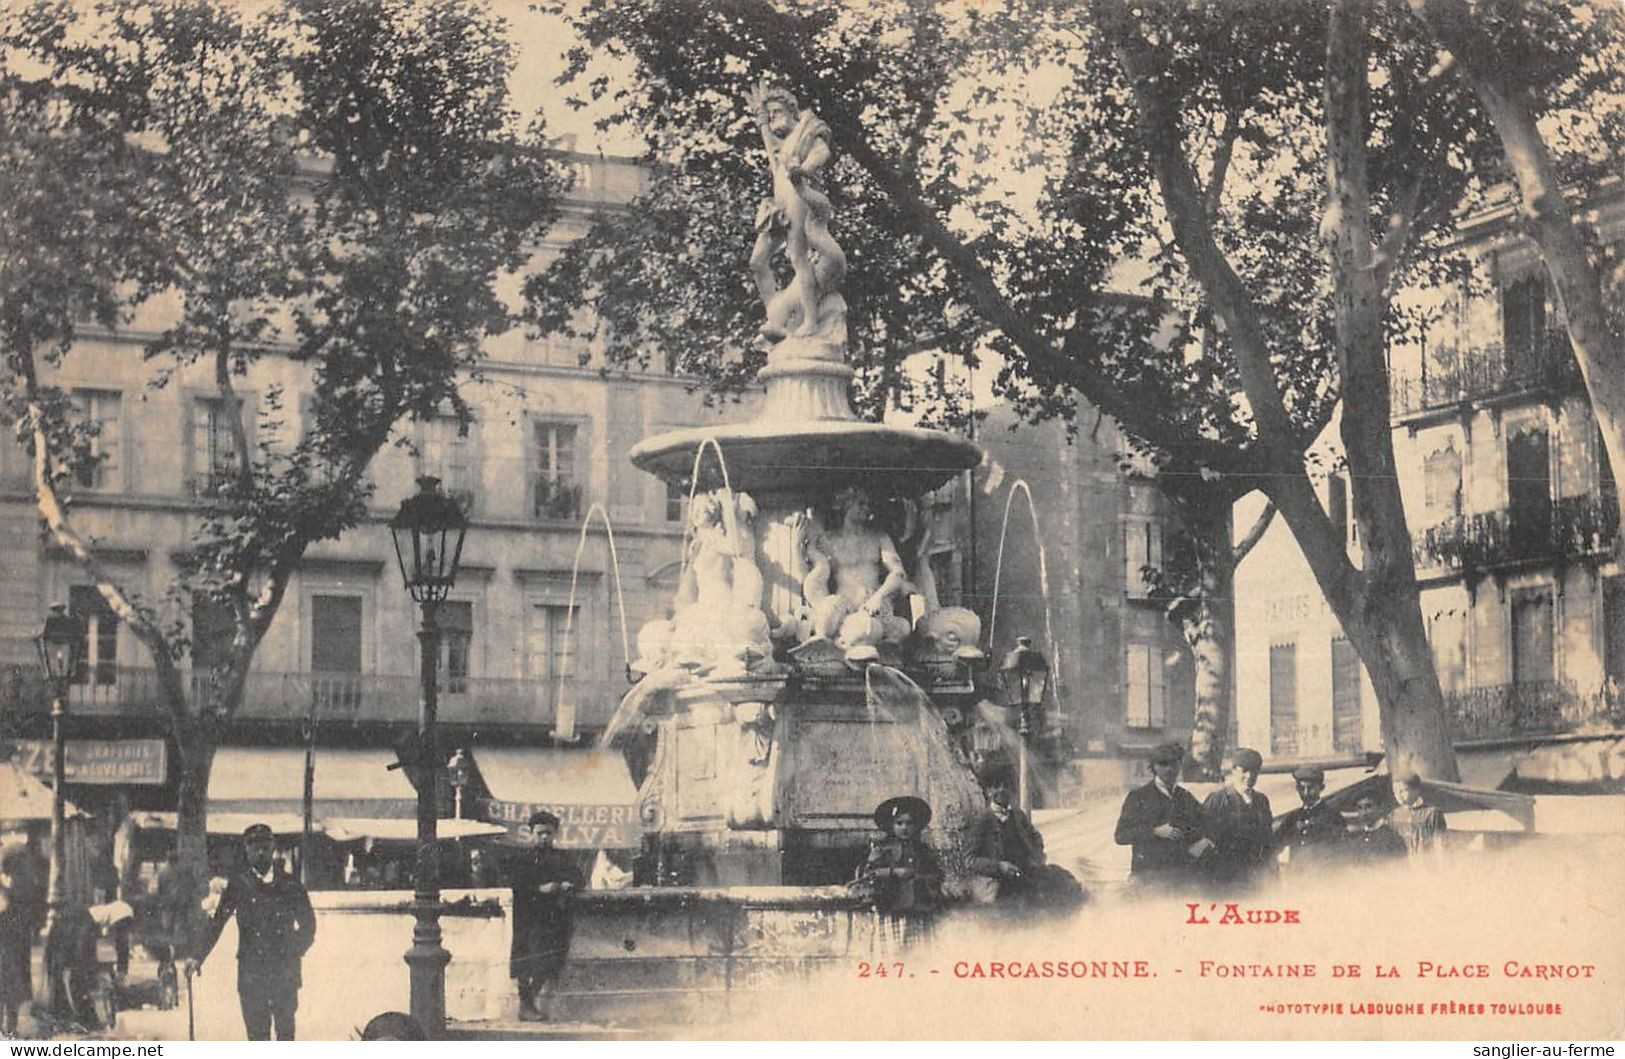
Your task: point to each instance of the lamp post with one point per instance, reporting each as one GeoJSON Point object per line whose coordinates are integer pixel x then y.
{"type": "Point", "coordinates": [459, 772]}
{"type": "Point", "coordinates": [1025, 675]}
{"type": "Point", "coordinates": [59, 645]}
{"type": "Point", "coordinates": [428, 532]}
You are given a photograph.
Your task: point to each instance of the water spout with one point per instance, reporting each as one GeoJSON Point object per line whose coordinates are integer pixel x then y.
{"type": "Point", "coordinates": [565, 722]}
{"type": "Point", "coordinates": [1053, 655]}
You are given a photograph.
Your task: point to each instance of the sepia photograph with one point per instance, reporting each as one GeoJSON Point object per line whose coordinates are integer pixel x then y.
{"type": "Point", "coordinates": [907, 520]}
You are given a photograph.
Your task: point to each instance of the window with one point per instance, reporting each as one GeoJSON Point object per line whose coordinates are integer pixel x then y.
{"type": "Point", "coordinates": [1345, 696]}
{"type": "Point", "coordinates": [1142, 548]}
{"type": "Point", "coordinates": [100, 408]}
{"type": "Point", "coordinates": [1284, 698]}
{"type": "Point", "coordinates": [554, 644]}
{"type": "Point", "coordinates": [1447, 636]}
{"type": "Point", "coordinates": [212, 447]}
{"type": "Point", "coordinates": [556, 493]}
{"type": "Point", "coordinates": [456, 640]}
{"type": "Point", "coordinates": [1146, 704]}
{"type": "Point", "coordinates": [98, 651]}
{"type": "Point", "coordinates": [676, 502]}
{"type": "Point", "coordinates": [1441, 476]}
{"type": "Point", "coordinates": [1532, 637]}
{"type": "Point", "coordinates": [1613, 626]}
{"type": "Point", "coordinates": [335, 652]}
{"type": "Point", "coordinates": [1523, 322]}
{"type": "Point", "coordinates": [1529, 491]}
{"type": "Point", "coordinates": [446, 451]}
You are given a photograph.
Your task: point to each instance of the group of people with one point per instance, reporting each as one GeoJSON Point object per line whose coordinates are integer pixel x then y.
{"type": "Point", "coordinates": [1003, 866]}
{"type": "Point", "coordinates": [1232, 839]}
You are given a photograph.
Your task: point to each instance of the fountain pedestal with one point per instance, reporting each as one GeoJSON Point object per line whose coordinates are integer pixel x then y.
{"type": "Point", "coordinates": [764, 782]}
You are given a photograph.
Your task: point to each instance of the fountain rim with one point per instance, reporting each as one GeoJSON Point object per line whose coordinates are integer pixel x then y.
{"type": "Point", "coordinates": [926, 457]}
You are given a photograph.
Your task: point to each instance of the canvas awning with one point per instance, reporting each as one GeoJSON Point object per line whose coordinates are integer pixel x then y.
{"type": "Point", "coordinates": [350, 781]}
{"type": "Point", "coordinates": [353, 829]}
{"type": "Point", "coordinates": [225, 823]}
{"type": "Point", "coordinates": [23, 798]}
{"type": "Point", "coordinates": [590, 791]}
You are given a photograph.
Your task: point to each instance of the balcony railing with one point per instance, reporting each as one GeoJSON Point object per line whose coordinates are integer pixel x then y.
{"type": "Point", "coordinates": [344, 697]}
{"type": "Point", "coordinates": [556, 498]}
{"type": "Point", "coordinates": [1480, 374]}
{"type": "Point", "coordinates": [1516, 709]}
{"type": "Point", "coordinates": [1575, 527]}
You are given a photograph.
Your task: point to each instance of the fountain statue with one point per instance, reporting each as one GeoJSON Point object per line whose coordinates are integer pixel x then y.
{"type": "Point", "coordinates": [762, 744]}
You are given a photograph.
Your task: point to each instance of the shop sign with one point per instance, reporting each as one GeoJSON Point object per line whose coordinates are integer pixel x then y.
{"type": "Point", "coordinates": [101, 761]}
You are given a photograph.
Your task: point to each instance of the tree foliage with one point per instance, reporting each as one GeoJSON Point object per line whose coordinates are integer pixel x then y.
{"type": "Point", "coordinates": [339, 183]}
{"type": "Point", "coordinates": [1193, 216]}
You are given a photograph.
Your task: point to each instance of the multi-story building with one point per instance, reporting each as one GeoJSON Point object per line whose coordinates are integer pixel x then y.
{"type": "Point", "coordinates": [1513, 506]}
{"type": "Point", "coordinates": [532, 652]}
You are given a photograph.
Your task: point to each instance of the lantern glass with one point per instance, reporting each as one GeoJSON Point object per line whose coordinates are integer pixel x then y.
{"type": "Point", "coordinates": [459, 770]}
{"type": "Point", "coordinates": [60, 642]}
{"type": "Point", "coordinates": [1025, 673]}
{"type": "Point", "coordinates": [428, 532]}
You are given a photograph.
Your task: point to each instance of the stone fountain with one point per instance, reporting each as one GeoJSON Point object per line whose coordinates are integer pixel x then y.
{"type": "Point", "coordinates": [781, 699]}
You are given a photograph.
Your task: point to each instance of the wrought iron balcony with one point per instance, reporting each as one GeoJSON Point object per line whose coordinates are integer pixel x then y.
{"type": "Point", "coordinates": [130, 691]}
{"type": "Point", "coordinates": [1515, 709]}
{"type": "Point", "coordinates": [1575, 527]}
{"type": "Point", "coordinates": [1481, 374]}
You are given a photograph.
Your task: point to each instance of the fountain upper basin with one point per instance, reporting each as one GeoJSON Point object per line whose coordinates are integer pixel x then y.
{"type": "Point", "coordinates": [811, 457]}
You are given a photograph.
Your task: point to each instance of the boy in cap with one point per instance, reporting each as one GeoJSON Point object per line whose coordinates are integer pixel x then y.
{"type": "Point", "coordinates": [275, 928]}
{"type": "Point", "coordinates": [1307, 832]}
{"type": "Point", "coordinates": [544, 881]}
{"type": "Point", "coordinates": [1163, 823]}
{"type": "Point", "coordinates": [1238, 820]}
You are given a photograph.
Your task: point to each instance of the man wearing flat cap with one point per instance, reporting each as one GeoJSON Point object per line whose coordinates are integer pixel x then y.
{"type": "Point", "coordinates": [1238, 820]}
{"type": "Point", "coordinates": [544, 883]}
{"type": "Point", "coordinates": [1163, 823]}
{"type": "Point", "coordinates": [1307, 834]}
{"type": "Point", "coordinates": [275, 928]}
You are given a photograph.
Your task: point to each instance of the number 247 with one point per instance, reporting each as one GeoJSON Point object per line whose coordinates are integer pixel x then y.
{"type": "Point", "coordinates": [879, 970]}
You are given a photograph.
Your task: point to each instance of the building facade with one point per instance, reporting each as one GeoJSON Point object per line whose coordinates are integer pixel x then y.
{"type": "Point", "coordinates": [536, 636]}
{"type": "Point", "coordinates": [1513, 509]}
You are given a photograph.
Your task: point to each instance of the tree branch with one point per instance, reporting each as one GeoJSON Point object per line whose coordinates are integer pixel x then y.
{"type": "Point", "coordinates": [1193, 232]}
{"type": "Point", "coordinates": [1134, 415]}
{"type": "Point", "coordinates": [1255, 534]}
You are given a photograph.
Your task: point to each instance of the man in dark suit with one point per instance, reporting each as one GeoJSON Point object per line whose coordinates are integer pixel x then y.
{"type": "Point", "coordinates": [1162, 822]}
{"type": "Point", "coordinates": [544, 882]}
{"type": "Point", "coordinates": [275, 928]}
{"type": "Point", "coordinates": [1310, 832]}
{"type": "Point", "coordinates": [1238, 820]}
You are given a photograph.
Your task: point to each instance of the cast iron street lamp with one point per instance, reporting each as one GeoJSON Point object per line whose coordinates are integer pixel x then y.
{"type": "Point", "coordinates": [1025, 675]}
{"type": "Point", "coordinates": [59, 644]}
{"type": "Point", "coordinates": [428, 532]}
{"type": "Point", "coordinates": [460, 773]}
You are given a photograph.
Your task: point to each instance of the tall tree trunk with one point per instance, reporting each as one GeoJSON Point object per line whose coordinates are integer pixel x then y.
{"type": "Point", "coordinates": [192, 803]}
{"type": "Point", "coordinates": [1209, 626]}
{"type": "Point", "coordinates": [1380, 611]}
